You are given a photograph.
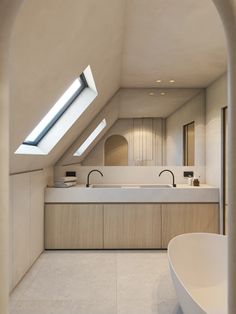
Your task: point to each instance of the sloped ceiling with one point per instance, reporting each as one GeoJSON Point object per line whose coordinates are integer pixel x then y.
{"type": "Point", "coordinates": [149, 102]}
{"type": "Point", "coordinates": [166, 39]}
{"type": "Point", "coordinates": [128, 43]}
{"type": "Point", "coordinates": [53, 42]}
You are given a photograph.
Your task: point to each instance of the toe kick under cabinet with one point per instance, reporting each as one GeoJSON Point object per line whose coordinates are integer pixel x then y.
{"type": "Point", "coordinates": [125, 226]}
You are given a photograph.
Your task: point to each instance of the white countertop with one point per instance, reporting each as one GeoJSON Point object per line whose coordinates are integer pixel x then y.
{"type": "Point", "coordinates": [133, 194]}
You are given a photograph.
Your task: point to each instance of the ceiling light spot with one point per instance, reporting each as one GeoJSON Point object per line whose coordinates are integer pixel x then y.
{"type": "Point", "coordinates": [158, 81]}
{"type": "Point", "coordinates": [172, 81]}
{"type": "Point", "coordinates": [151, 94]}
{"type": "Point", "coordinates": [163, 93]}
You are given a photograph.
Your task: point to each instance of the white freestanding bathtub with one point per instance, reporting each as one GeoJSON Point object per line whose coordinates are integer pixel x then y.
{"type": "Point", "coordinates": [198, 266]}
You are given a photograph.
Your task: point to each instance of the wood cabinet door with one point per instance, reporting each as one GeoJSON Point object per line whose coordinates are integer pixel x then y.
{"type": "Point", "coordinates": [183, 218]}
{"type": "Point", "coordinates": [132, 226]}
{"type": "Point", "coordinates": [73, 226]}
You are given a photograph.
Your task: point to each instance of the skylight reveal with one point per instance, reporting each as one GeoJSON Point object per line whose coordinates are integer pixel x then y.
{"type": "Point", "coordinates": [91, 138]}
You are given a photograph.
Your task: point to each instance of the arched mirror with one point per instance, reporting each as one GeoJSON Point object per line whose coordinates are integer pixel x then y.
{"type": "Point", "coordinates": [116, 151]}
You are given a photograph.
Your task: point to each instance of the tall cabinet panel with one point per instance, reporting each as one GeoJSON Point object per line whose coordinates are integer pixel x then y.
{"type": "Point", "coordinates": [11, 284]}
{"type": "Point", "coordinates": [37, 185]}
{"type": "Point", "coordinates": [21, 225]}
{"type": "Point", "coordinates": [26, 224]}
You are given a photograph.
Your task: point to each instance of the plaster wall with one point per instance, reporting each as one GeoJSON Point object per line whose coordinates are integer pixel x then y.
{"type": "Point", "coordinates": [52, 43]}
{"type": "Point", "coordinates": [132, 175]}
{"type": "Point", "coordinates": [193, 110]}
{"type": "Point", "coordinates": [216, 99]}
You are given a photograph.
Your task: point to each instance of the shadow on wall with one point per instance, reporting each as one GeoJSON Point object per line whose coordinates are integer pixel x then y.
{"type": "Point", "coordinates": [166, 298]}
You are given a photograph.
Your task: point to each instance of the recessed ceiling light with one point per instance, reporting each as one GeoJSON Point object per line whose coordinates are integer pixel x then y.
{"type": "Point", "coordinates": [172, 81]}
{"type": "Point", "coordinates": [158, 81]}
{"type": "Point", "coordinates": [163, 93]}
{"type": "Point", "coordinates": [151, 94]}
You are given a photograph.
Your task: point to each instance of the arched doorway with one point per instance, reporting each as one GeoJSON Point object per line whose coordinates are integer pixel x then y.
{"type": "Point", "coordinates": [116, 151]}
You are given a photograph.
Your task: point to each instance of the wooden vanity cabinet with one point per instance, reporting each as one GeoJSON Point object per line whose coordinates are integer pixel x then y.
{"type": "Point", "coordinates": [132, 226]}
{"type": "Point", "coordinates": [184, 218]}
{"type": "Point", "coordinates": [125, 226]}
{"type": "Point", "coordinates": [73, 226]}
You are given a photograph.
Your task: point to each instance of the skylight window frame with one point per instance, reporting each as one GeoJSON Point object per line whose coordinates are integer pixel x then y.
{"type": "Point", "coordinates": [38, 139]}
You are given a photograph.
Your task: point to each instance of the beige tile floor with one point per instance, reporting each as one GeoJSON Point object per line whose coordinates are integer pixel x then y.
{"type": "Point", "coordinates": [97, 282]}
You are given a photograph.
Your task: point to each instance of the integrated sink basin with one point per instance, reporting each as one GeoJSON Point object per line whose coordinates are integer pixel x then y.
{"type": "Point", "coordinates": [151, 186]}
{"type": "Point", "coordinates": [105, 186]}
{"type": "Point", "coordinates": [131, 186]}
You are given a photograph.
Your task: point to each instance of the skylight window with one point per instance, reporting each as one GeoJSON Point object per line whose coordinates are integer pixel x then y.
{"type": "Point", "coordinates": [91, 138]}
{"type": "Point", "coordinates": [61, 117]}
{"type": "Point", "coordinates": [56, 111]}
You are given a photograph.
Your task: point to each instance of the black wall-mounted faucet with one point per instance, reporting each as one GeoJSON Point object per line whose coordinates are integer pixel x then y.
{"type": "Point", "coordinates": [167, 170]}
{"type": "Point", "coordinates": [94, 170]}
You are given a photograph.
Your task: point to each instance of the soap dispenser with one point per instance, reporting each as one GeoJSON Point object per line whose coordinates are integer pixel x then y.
{"type": "Point", "coordinates": [190, 180]}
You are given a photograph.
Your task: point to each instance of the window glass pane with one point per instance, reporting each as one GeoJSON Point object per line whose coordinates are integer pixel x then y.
{"type": "Point", "coordinates": [56, 112]}
{"type": "Point", "coordinates": [91, 138]}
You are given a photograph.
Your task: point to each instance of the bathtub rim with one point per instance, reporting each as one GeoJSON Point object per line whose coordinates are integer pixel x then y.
{"type": "Point", "coordinates": [184, 235]}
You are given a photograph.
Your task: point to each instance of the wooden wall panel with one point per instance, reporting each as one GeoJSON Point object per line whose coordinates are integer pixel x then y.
{"type": "Point", "coordinates": [147, 141]}
{"type": "Point", "coordinates": [158, 141]}
{"type": "Point", "coordinates": [137, 143]}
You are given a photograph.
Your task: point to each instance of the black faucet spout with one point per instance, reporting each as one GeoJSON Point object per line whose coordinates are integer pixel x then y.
{"type": "Point", "coordinates": [173, 177]}
{"type": "Point", "coordinates": [88, 176]}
